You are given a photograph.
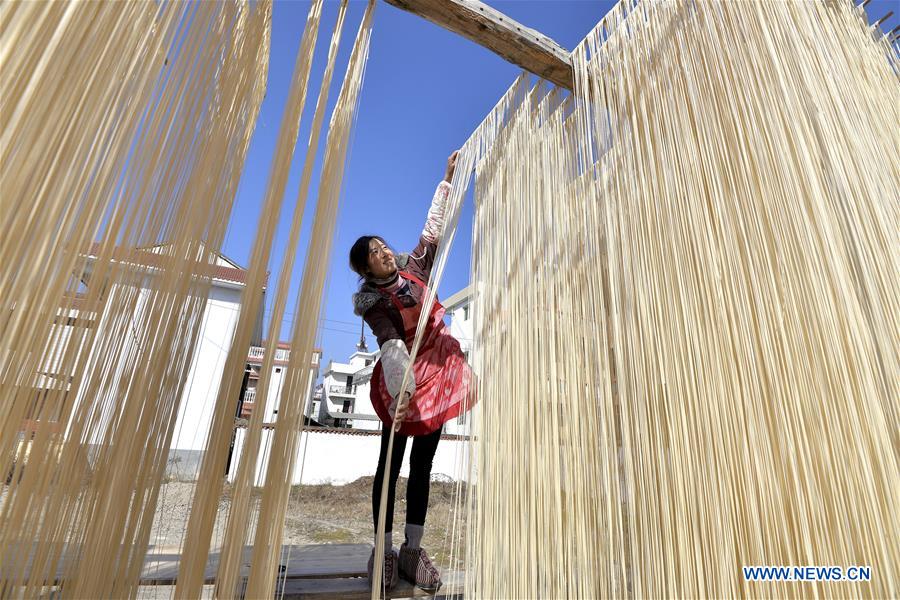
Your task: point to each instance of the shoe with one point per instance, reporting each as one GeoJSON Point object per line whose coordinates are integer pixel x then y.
{"type": "Point", "coordinates": [389, 575]}
{"type": "Point", "coordinates": [417, 568]}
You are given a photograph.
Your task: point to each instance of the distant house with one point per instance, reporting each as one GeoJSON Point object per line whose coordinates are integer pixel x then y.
{"type": "Point", "coordinates": [312, 411]}
{"type": "Point", "coordinates": [217, 320]}
{"type": "Point", "coordinates": [249, 399]}
{"type": "Point", "coordinates": [250, 402]}
{"type": "Point", "coordinates": [345, 392]}
{"type": "Point", "coordinates": [227, 282]}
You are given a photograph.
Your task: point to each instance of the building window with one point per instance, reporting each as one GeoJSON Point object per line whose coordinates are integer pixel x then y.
{"type": "Point", "coordinates": [368, 361]}
{"type": "Point", "coordinates": [278, 369]}
{"type": "Point", "coordinates": [466, 312]}
{"type": "Point", "coordinates": [346, 408]}
{"type": "Point", "coordinates": [349, 388]}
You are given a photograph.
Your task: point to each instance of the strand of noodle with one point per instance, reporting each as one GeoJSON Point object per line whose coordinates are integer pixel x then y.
{"type": "Point", "coordinates": [270, 528]}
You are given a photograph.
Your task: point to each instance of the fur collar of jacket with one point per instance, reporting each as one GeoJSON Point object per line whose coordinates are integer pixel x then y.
{"type": "Point", "coordinates": [368, 294]}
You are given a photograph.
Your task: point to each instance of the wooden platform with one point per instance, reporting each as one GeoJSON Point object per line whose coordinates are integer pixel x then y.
{"type": "Point", "coordinates": [313, 571]}
{"type": "Point", "coordinates": [354, 589]}
{"type": "Point", "coordinates": [323, 561]}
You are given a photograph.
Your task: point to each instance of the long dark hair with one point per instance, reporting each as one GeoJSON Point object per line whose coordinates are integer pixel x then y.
{"type": "Point", "coordinates": [359, 254]}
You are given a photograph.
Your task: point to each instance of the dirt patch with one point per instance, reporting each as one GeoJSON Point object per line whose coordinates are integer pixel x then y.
{"type": "Point", "coordinates": [327, 513]}
{"type": "Point", "coordinates": [322, 514]}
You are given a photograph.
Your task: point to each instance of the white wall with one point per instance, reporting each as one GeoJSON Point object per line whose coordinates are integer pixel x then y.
{"type": "Point", "coordinates": [327, 456]}
{"type": "Point", "coordinates": [202, 387]}
{"type": "Point", "coordinates": [461, 325]}
{"type": "Point", "coordinates": [461, 329]}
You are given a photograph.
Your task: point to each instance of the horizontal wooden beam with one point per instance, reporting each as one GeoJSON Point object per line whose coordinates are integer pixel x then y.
{"type": "Point", "coordinates": [883, 19]}
{"type": "Point", "coordinates": [520, 45]}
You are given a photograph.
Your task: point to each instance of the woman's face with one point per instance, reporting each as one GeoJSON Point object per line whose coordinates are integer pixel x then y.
{"type": "Point", "coordinates": [381, 260]}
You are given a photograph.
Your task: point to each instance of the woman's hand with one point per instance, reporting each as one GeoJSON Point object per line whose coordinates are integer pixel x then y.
{"type": "Point", "coordinates": [400, 411]}
{"type": "Point", "coordinates": [451, 166]}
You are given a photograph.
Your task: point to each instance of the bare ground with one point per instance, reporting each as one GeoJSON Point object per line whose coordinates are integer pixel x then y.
{"type": "Point", "coordinates": [322, 514]}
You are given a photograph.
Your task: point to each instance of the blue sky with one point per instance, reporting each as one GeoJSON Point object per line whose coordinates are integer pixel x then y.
{"type": "Point", "coordinates": [425, 91]}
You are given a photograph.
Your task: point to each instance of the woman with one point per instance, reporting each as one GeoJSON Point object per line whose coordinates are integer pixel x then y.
{"type": "Point", "coordinates": [390, 300]}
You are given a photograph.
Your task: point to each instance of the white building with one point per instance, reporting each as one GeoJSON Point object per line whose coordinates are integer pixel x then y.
{"type": "Point", "coordinates": [276, 382]}
{"type": "Point", "coordinates": [218, 321]}
{"type": "Point", "coordinates": [345, 392]}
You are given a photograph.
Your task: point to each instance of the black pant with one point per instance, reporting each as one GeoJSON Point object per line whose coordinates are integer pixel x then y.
{"type": "Point", "coordinates": [420, 459]}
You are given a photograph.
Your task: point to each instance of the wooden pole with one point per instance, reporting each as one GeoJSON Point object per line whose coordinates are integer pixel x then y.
{"type": "Point", "coordinates": [520, 45]}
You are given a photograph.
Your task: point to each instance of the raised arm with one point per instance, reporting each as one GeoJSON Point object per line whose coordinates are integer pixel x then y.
{"type": "Point", "coordinates": [423, 255]}
{"type": "Point", "coordinates": [434, 223]}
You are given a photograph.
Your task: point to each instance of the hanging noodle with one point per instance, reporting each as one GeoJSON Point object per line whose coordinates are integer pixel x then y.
{"type": "Point", "coordinates": [686, 311]}
{"type": "Point", "coordinates": [129, 123]}
{"type": "Point", "coordinates": [285, 445]}
{"type": "Point", "coordinates": [139, 147]}
{"type": "Point", "coordinates": [685, 299]}
{"type": "Point", "coordinates": [209, 484]}
{"type": "Point", "coordinates": [238, 515]}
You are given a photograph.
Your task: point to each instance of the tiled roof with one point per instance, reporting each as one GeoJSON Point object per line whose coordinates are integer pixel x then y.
{"type": "Point", "coordinates": [148, 258]}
